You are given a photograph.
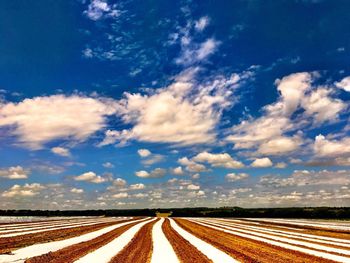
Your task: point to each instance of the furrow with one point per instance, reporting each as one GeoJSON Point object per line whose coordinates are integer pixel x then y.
{"type": "Point", "coordinates": [305, 253]}
{"type": "Point", "coordinates": [21, 254]}
{"type": "Point", "coordinates": [314, 239]}
{"type": "Point", "coordinates": [70, 253]}
{"type": "Point", "coordinates": [11, 243]}
{"type": "Point", "coordinates": [214, 254]}
{"type": "Point", "coordinates": [105, 253]}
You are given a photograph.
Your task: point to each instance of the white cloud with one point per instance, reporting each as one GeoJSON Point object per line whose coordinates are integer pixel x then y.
{"type": "Point", "coordinates": [90, 177]}
{"type": "Point", "coordinates": [193, 53]}
{"type": "Point", "coordinates": [61, 151]}
{"type": "Point", "coordinates": [321, 106]}
{"type": "Point", "coordinates": [202, 23]}
{"type": "Point", "coordinates": [98, 9]}
{"type": "Point", "coordinates": [233, 177]}
{"type": "Point", "coordinates": [144, 153]}
{"type": "Point", "coordinates": [154, 118]}
{"type": "Point", "coordinates": [177, 171]}
{"type": "Point", "coordinates": [206, 48]}
{"type": "Point", "coordinates": [75, 118]}
{"type": "Point", "coordinates": [308, 178]}
{"type": "Point", "coordinates": [121, 195]}
{"type": "Point", "coordinates": [119, 182]}
{"type": "Point", "coordinates": [280, 145]}
{"type": "Point", "coordinates": [344, 84]}
{"type": "Point", "coordinates": [156, 173]}
{"type": "Point", "coordinates": [192, 166]}
{"type": "Point", "coordinates": [267, 131]}
{"type": "Point", "coordinates": [330, 148]}
{"type": "Point", "coordinates": [137, 186]}
{"type": "Point", "coordinates": [14, 172]}
{"type": "Point", "coordinates": [142, 174]}
{"type": "Point", "coordinates": [152, 159]}
{"type": "Point", "coordinates": [299, 105]}
{"type": "Point", "coordinates": [26, 190]}
{"type": "Point", "coordinates": [262, 162]}
{"type": "Point", "coordinates": [218, 160]}
{"type": "Point", "coordinates": [77, 191]}
{"type": "Point", "coordinates": [193, 187]}
{"type": "Point", "coordinates": [108, 165]}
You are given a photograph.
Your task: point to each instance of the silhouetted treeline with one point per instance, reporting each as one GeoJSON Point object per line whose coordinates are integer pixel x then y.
{"type": "Point", "coordinates": [292, 212]}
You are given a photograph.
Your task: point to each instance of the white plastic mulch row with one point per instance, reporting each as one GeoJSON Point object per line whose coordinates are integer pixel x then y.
{"type": "Point", "coordinates": [106, 253]}
{"type": "Point", "coordinates": [43, 224]}
{"type": "Point", "coordinates": [51, 226]}
{"type": "Point", "coordinates": [307, 237]}
{"type": "Point", "coordinates": [161, 246]}
{"type": "Point", "coordinates": [47, 229]}
{"type": "Point", "coordinates": [38, 223]}
{"type": "Point", "coordinates": [216, 255]}
{"type": "Point", "coordinates": [313, 221]}
{"type": "Point", "coordinates": [280, 242]}
{"type": "Point", "coordinates": [294, 222]}
{"type": "Point", "coordinates": [20, 255]}
{"type": "Point", "coordinates": [291, 241]}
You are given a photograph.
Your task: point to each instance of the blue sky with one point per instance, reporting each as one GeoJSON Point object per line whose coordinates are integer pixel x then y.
{"type": "Point", "coordinates": [132, 104]}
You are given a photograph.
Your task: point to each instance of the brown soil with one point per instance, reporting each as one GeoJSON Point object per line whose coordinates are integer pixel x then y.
{"type": "Point", "coordinates": [74, 252]}
{"type": "Point", "coordinates": [10, 243]}
{"type": "Point", "coordinates": [184, 250]}
{"type": "Point", "coordinates": [140, 248]}
{"type": "Point", "coordinates": [247, 250]}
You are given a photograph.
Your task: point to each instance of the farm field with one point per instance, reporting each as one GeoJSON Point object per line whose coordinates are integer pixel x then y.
{"type": "Point", "coordinates": [152, 239]}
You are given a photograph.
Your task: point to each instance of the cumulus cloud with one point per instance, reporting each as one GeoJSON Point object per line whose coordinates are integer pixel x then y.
{"type": "Point", "coordinates": [233, 177]}
{"type": "Point", "coordinates": [144, 153]}
{"type": "Point", "coordinates": [280, 145]}
{"type": "Point", "coordinates": [119, 182]}
{"type": "Point", "coordinates": [331, 148]}
{"type": "Point", "coordinates": [121, 195]}
{"type": "Point", "coordinates": [99, 9]}
{"type": "Point", "coordinates": [137, 186]}
{"type": "Point", "coordinates": [156, 173]}
{"type": "Point", "coordinates": [14, 172]}
{"type": "Point", "coordinates": [308, 178]}
{"type": "Point", "coordinates": [193, 187]}
{"type": "Point", "coordinates": [26, 190]}
{"type": "Point", "coordinates": [77, 191]}
{"type": "Point", "coordinates": [344, 84]}
{"type": "Point", "coordinates": [76, 118]}
{"type": "Point", "coordinates": [90, 177]}
{"type": "Point", "coordinates": [261, 162]}
{"type": "Point", "coordinates": [61, 151]}
{"type": "Point", "coordinates": [153, 118]}
{"type": "Point", "coordinates": [321, 106]}
{"type": "Point", "coordinates": [267, 131]}
{"type": "Point", "coordinates": [177, 171]}
{"type": "Point", "coordinates": [192, 166]}
{"type": "Point", "coordinates": [298, 105]}
{"type": "Point", "coordinates": [218, 160]}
